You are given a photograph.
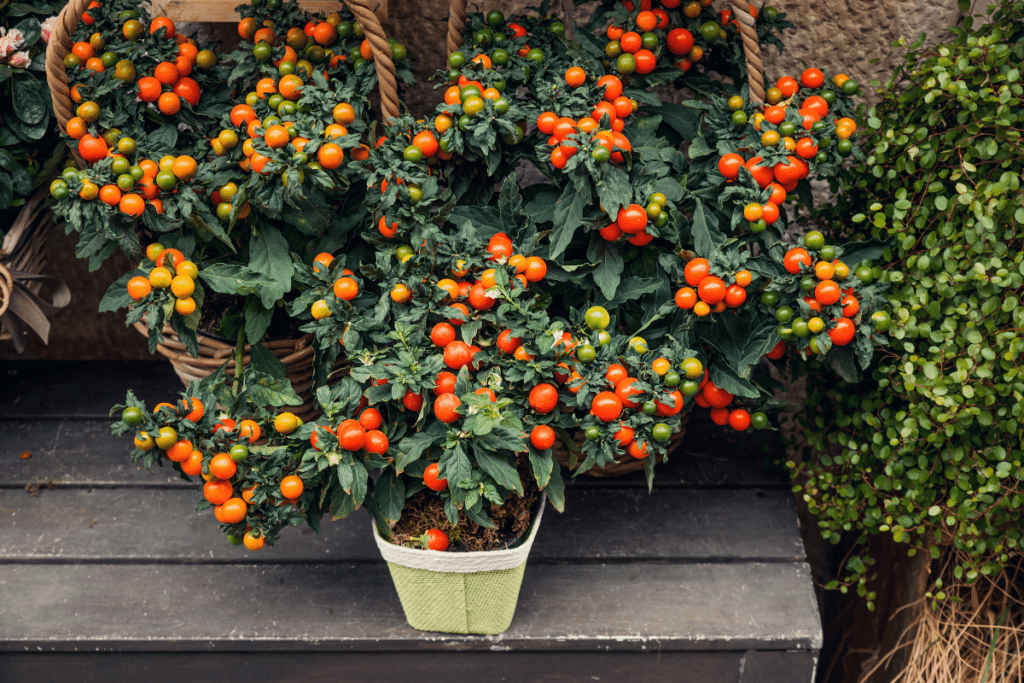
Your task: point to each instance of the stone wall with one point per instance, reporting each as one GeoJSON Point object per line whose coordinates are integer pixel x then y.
{"type": "Point", "coordinates": [841, 35]}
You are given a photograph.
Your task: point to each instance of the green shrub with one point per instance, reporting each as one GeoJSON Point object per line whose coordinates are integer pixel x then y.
{"type": "Point", "coordinates": [928, 448]}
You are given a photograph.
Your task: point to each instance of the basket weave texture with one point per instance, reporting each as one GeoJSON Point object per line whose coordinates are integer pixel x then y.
{"type": "Point", "coordinates": [295, 354]}
{"type": "Point", "coordinates": [473, 592]}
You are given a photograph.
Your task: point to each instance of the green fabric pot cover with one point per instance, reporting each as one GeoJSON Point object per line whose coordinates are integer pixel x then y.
{"type": "Point", "coordinates": [459, 592]}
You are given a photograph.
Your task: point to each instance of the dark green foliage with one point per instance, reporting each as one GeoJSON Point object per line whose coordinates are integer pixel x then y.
{"type": "Point", "coordinates": [929, 448]}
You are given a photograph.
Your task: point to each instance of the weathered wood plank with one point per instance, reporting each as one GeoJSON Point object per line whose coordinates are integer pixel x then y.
{"type": "Point", "coordinates": [72, 452]}
{"type": "Point", "coordinates": [589, 608]}
{"type": "Point", "coordinates": [423, 667]}
{"type": "Point", "coordinates": [160, 525]}
{"type": "Point", "coordinates": [85, 453]}
{"type": "Point", "coordinates": [779, 667]}
{"type": "Point", "coordinates": [80, 388]}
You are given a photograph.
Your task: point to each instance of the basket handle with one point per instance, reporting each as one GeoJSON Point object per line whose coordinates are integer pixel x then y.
{"type": "Point", "coordinates": [365, 13]}
{"type": "Point", "coordinates": [456, 24]}
{"type": "Point", "coordinates": [67, 21]}
{"type": "Point", "coordinates": [56, 77]}
{"type": "Point", "coordinates": [751, 50]}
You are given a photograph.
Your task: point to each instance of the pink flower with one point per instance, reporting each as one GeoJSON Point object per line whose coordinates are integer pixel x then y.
{"type": "Point", "coordinates": [10, 42]}
{"type": "Point", "coordinates": [47, 28]}
{"type": "Point", "coordinates": [19, 60]}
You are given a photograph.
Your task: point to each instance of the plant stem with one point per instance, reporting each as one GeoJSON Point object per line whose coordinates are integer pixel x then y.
{"type": "Point", "coordinates": [239, 354]}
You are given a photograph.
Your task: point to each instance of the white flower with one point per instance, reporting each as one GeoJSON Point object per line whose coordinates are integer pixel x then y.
{"type": "Point", "coordinates": [10, 43]}
{"type": "Point", "coordinates": [19, 60]}
{"type": "Point", "coordinates": [47, 28]}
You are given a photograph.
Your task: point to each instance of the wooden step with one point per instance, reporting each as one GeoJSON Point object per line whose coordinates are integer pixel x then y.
{"type": "Point", "coordinates": [109, 573]}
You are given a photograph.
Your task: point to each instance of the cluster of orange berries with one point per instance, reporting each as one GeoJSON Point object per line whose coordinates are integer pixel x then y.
{"type": "Point", "coordinates": [634, 51]}
{"type": "Point", "coordinates": [170, 82]}
{"type": "Point", "coordinates": [718, 400]}
{"type": "Point", "coordinates": [813, 109]}
{"type": "Point", "coordinates": [633, 220]}
{"type": "Point", "coordinates": [357, 435]}
{"type": "Point", "coordinates": [135, 186]}
{"type": "Point", "coordinates": [528, 269]}
{"type": "Point", "coordinates": [345, 288]}
{"type": "Point", "coordinates": [565, 131]}
{"type": "Point", "coordinates": [712, 294]}
{"type": "Point", "coordinates": [222, 467]}
{"type": "Point", "coordinates": [281, 134]}
{"type": "Point", "coordinates": [182, 282]}
{"type": "Point", "coordinates": [824, 291]}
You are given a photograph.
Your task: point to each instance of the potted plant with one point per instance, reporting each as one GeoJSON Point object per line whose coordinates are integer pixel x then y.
{"type": "Point", "coordinates": [481, 323]}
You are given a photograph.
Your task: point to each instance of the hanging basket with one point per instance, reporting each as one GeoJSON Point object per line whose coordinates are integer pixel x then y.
{"type": "Point", "coordinates": [296, 354]}
{"type": "Point", "coordinates": [23, 257]}
{"type": "Point", "coordinates": [449, 592]}
{"type": "Point", "coordinates": [67, 21]}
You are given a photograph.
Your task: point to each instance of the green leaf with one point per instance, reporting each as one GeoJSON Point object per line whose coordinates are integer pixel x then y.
{"type": "Point", "coordinates": [28, 132]}
{"type": "Point", "coordinates": [389, 495]}
{"type": "Point", "coordinates": [412, 447]}
{"type": "Point", "coordinates": [608, 273]}
{"type": "Point", "coordinates": [556, 488]}
{"type": "Point", "coordinates": [501, 468]}
{"type": "Point", "coordinates": [19, 9]}
{"type": "Point", "coordinates": [744, 338]}
{"type": "Point", "coordinates": [866, 250]}
{"type": "Point", "coordinates": [257, 320]}
{"type": "Point", "coordinates": [454, 465]}
{"type": "Point", "coordinates": [569, 215]}
{"type": "Point", "coordinates": [541, 463]}
{"type": "Point", "coordinates": [164, 139]}
{"type": "Point", "coordinates": [31, 30]}
{"type": "Point", "coordinates": [683, 120]}
{"type": "Point", "coordinates": [631, 289]}
{"type": "Point", "coordinates": [21, 181]}
{"type": "Point", "coordinates": [6, 190]}
{"type": "Point", "coordinates": [269, 256]}
{"type": "Point", "coordinates": [842, 361]}
{"type": "Point", "coordinates": [266, 390]}
{"type": "Point", "coordinates": [541, 207]}
{"type": "Point", "coordinates": [117, 296]}
{"type": "Point", "coordinates": [264, 360]}
{"type": "Point", "coordinates": [726, 378]}
{"type": "Point", "coordinates": [312, 217]}
{"type": "Point", "coordinates": [706, 239]}
{"type": "Point", "coordinates": [230, 278]}
{"type": "Point", "coordinates": [614, 190]}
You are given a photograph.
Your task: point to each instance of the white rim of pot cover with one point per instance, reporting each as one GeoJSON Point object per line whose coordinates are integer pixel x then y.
{"type": "Point", "coordinates": [461, 563]}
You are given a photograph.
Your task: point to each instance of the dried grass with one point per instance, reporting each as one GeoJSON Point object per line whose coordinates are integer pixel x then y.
{"type": "Point", "coordinates": [975, 635]}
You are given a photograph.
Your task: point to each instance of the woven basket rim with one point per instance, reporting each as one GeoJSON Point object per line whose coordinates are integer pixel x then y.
{"type": "Point", "coordinates": [461, 563]}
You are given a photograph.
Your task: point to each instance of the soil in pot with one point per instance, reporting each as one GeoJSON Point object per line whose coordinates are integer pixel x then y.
{"type": "Point", "coordinates": [425, 510]}
{"type": "Point", "coordinates": [217, 307]}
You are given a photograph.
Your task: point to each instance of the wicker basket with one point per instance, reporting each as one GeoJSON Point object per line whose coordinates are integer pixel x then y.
{"type": "Point", "coordinates": [22, 258]}
{"type": "Point", "coordinates": [626, 463]}
{"type": "Point", "coordinates": [67, 21]}
{"type": "Point", "coordinates": [295, 354]}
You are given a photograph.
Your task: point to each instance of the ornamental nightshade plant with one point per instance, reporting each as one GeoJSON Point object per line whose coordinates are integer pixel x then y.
{"type": "Point", "coordinates": [473, 332]}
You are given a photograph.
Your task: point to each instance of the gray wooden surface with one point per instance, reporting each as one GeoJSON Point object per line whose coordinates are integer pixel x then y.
{"type": "Point", "coordinates": [109, 569]}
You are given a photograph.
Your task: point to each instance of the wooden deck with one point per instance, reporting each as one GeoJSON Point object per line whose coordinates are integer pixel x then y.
{"type": "Point", "coordinates": [107, 572]}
